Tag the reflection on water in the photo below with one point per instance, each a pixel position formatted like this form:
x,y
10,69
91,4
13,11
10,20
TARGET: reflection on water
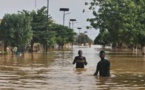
x,y
55,71
80,70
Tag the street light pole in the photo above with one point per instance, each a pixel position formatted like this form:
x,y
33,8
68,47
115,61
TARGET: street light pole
x,y
79,29
79,32
64,10
72,20
47,22
47,13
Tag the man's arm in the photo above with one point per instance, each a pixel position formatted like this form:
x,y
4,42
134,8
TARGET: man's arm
x,y
97,70
96,73
85,61
108,69
74,60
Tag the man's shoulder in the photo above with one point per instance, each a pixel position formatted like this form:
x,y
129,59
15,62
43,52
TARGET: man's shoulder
x,y
77,56
83,57
106,60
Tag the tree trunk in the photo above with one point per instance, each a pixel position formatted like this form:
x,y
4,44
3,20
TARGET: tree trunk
x,y
31,48
5,46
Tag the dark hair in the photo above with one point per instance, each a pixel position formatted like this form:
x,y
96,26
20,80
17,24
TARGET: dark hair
x,y
102,52
80,51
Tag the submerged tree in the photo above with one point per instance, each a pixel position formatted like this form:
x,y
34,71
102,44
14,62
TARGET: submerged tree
x,y
123,19
15,30
40,26
63,34
103,38
83,39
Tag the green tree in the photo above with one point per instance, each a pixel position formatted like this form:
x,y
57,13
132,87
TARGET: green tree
x,y
141,19
15,30
103,38
63,34
41,34
122,19
83,39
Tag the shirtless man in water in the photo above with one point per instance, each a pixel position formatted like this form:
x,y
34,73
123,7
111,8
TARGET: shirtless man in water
x,y
80,60
103,66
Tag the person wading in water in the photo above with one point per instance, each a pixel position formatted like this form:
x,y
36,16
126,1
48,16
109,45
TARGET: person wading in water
x,y
80,60
103,66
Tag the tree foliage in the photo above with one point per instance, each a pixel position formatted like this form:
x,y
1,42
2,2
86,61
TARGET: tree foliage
x,y
123,19
103,38
15,30
29,27
63,34
83,39
40,26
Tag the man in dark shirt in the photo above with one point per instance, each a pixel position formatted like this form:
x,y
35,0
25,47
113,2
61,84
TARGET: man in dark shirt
x,y
80,60
103,66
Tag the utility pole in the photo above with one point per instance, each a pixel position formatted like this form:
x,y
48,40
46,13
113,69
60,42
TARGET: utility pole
x,y
47,23
64,10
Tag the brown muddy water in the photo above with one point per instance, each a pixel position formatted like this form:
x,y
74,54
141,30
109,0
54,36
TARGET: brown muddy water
x,y
54,71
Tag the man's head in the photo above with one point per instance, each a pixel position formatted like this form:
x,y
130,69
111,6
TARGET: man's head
x,y
80,52
102,54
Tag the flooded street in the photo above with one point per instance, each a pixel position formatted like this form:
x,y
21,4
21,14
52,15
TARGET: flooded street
x,y
55,71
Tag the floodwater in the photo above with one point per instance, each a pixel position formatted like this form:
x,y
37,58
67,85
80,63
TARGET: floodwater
x,y
54,71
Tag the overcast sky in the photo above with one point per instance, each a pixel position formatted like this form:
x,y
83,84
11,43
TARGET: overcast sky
x,y
75,8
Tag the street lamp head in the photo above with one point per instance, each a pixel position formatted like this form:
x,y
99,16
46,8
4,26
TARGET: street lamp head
x,y
85,32
72,19
79,28
64,9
